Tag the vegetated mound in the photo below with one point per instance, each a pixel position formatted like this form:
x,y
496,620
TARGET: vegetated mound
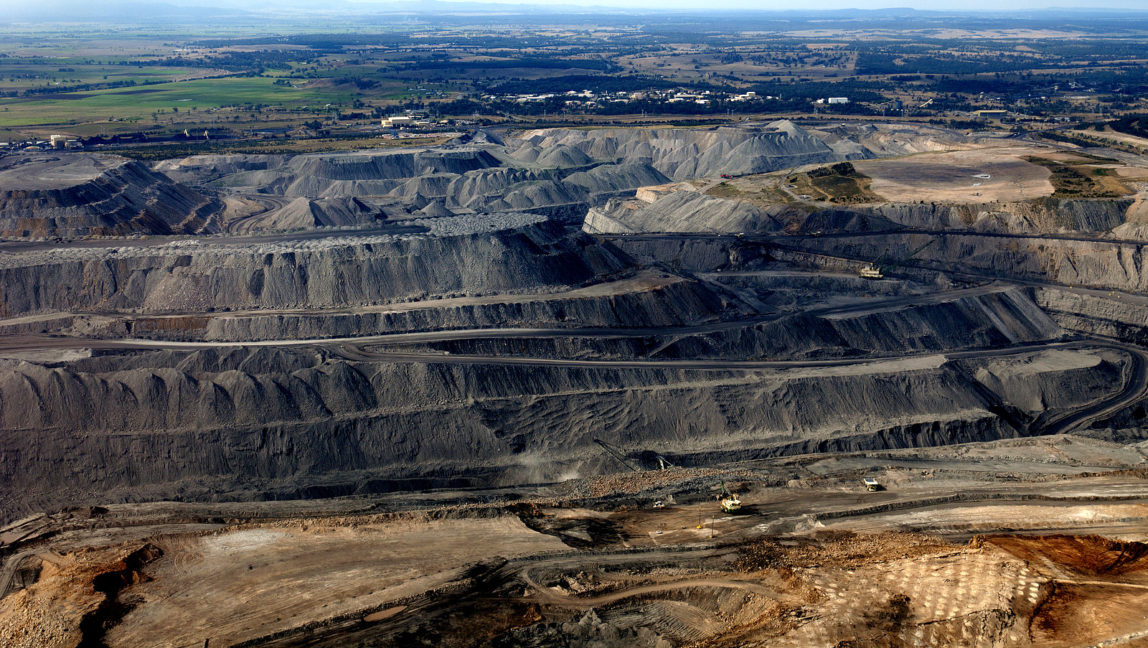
x,y
1082,179
684,211
681,154
1136,125
77,195
461,256
835,183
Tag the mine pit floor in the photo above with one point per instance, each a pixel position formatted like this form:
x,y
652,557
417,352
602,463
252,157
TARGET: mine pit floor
x,y
947,554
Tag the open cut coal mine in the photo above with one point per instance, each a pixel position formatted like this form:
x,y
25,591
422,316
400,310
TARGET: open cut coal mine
x,y
569,346
374,333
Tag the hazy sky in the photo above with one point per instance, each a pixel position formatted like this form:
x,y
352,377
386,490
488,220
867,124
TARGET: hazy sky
x,y
792,5
767,5
63,8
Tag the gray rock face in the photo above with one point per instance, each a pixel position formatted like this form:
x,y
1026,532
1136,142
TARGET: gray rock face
x,y
75,195
273,423
305,213
1046,216
1067,378
845,220
204,169
555,171
316,275
372,165
623,304
610,178
463,180
1006,316
327,175
684,211
1099,263
279,421
1097,313
681,154
555,156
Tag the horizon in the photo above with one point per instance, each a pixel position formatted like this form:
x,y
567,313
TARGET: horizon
x,y
78,10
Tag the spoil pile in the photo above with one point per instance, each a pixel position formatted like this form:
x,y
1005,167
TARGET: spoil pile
x,y
72,195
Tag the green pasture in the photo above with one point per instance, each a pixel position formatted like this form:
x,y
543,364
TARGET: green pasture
x,y
15,76
142,101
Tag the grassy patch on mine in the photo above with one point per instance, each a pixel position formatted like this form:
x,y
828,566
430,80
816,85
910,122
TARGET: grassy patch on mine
x,y
1081,180
725,190
838,183
753,190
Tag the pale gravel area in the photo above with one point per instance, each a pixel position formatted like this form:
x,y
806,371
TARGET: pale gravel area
x,y
47,173
1052,361
242,584
996,516
953,176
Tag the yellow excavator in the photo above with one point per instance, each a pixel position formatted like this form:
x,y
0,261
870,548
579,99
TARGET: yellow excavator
x,y
878,268
728,501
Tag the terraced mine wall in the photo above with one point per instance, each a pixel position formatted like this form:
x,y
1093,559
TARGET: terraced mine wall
x,y
1042,216
1097,313
677,303
234,423
1068,378
694,254
303,275
1098,264
467,180
1002,317
706,255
